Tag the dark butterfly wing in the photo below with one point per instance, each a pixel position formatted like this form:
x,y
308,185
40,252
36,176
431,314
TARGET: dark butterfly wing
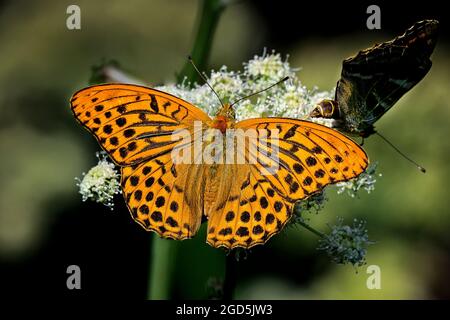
x,y
376,78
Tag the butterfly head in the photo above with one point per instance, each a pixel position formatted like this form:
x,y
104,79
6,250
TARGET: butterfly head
x,y
227,111
224,118
326,109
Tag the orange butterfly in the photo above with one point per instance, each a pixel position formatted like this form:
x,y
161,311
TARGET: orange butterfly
x,y
245,204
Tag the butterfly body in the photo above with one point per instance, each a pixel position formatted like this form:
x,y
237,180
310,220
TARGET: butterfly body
x,y
373,80
176,171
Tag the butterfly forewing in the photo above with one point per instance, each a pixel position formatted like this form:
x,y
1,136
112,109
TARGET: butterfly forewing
x,y
133,123
310,156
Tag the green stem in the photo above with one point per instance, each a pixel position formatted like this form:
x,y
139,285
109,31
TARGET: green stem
x,y
210,12
163,251
308,227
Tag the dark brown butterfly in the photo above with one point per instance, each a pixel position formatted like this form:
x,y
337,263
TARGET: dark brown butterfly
x,y
373,80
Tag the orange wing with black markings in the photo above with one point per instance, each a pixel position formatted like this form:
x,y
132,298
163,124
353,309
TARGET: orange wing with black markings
x,y
134,125
310,156
160,197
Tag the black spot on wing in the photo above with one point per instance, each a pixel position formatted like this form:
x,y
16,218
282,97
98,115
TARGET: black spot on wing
x,y
154,103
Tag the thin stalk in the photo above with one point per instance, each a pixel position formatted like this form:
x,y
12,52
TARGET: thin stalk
x,y
308,227
210,11
162,258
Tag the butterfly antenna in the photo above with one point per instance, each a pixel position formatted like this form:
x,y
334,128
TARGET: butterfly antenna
x,y
401,153
258,92
204,79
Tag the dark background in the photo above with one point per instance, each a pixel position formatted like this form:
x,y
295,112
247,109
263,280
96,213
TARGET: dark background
x,y
44,226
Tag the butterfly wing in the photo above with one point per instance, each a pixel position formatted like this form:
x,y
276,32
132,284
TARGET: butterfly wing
x,y
164,197
376,78
133,123
249,214
135,126
310,156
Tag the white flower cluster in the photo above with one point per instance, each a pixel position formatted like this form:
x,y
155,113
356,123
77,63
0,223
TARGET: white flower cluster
x,y
365,180
101,182
289,99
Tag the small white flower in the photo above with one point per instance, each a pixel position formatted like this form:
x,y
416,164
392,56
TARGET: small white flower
x,y
177,90
330,123
228,84
247,110
204,98
101,182
365,180
290,102
268,67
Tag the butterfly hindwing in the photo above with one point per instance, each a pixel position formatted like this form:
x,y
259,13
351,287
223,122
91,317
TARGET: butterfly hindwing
x,y
156,194
251,213
262,196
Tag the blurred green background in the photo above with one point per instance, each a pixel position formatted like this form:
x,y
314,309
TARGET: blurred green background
x,y
44,227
